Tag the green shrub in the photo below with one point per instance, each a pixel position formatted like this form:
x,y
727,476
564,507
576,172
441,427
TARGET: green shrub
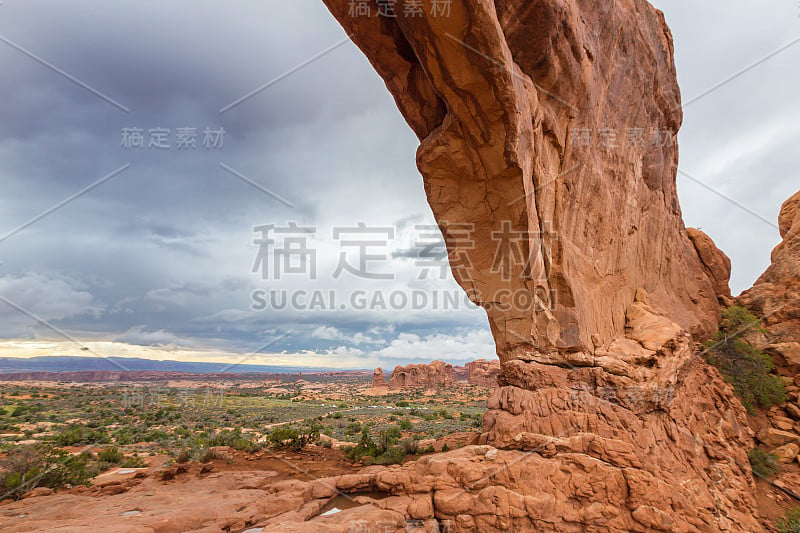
x,y
245,445
133,462
409,446
790,523
281,436
353,428
388,438
741,364
185,455
406,424
365,447
764,464
234,439
391,456
77,434
208,455
291,438
29,467
110,455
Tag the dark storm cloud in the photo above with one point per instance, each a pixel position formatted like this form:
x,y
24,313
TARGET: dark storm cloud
x,y
162,253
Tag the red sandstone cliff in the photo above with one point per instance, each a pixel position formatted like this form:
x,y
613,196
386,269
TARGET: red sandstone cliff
x,y
438,374
483,372
775,297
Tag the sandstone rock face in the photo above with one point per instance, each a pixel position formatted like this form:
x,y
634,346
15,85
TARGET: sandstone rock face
x,y
773,438
438,374
566,228
378,380
786,453
477,489
653,410
717,265
789,352
548,153
483,372
775,297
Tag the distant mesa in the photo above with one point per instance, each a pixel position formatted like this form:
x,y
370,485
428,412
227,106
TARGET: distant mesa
x,y
460,373
483,372
436,375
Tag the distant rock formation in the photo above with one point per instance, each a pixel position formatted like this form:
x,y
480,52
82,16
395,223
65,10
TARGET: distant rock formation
x,y
460,373
378,380
438,374
483,372
775,297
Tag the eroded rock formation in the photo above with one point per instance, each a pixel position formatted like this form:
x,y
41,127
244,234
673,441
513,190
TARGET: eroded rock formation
x,y
630,439
775,297
716,264
548,152
649,407
378,380
438,374
461,373
483,372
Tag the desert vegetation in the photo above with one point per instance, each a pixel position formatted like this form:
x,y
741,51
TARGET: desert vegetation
x,y
741,363
61,435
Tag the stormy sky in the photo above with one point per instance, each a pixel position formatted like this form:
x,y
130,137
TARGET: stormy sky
x,y
147,147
